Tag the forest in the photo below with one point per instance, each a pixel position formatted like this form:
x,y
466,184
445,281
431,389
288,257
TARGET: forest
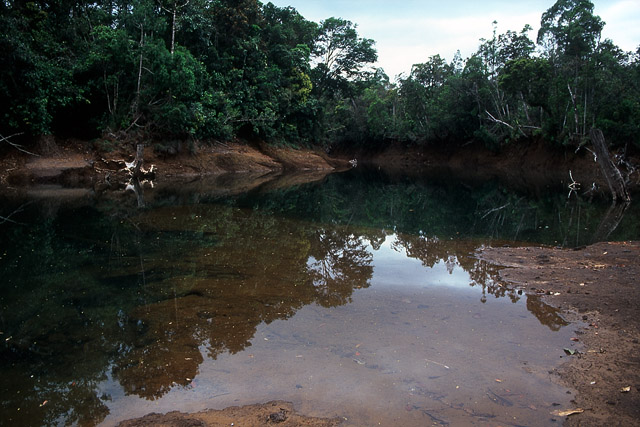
x,y
221,69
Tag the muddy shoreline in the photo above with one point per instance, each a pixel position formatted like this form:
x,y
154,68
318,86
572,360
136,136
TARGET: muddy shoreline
x,y
101,165
597,286
82,164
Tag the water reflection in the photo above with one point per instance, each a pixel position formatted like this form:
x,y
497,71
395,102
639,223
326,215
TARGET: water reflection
x,y
546,314
458,257
251,269
457,254
144,297
338,263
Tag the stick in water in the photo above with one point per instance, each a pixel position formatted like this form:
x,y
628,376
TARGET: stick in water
x,y
437,363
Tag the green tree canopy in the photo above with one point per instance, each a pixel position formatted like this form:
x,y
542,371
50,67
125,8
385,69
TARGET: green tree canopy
x,y
340,55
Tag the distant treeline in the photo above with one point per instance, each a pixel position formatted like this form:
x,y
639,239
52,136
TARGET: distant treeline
x,y
219,69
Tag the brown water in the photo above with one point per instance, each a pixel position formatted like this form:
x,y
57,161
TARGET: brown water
x,y
194,306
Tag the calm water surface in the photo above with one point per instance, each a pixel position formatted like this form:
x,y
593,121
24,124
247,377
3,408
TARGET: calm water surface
x,y
357,297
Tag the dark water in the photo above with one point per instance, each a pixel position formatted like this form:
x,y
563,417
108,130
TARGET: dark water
x,y
357,296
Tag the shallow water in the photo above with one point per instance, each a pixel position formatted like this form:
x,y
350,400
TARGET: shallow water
x,y
353,297
412,347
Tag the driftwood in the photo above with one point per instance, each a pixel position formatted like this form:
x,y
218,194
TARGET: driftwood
x,y
132,169
611,172
137,165
135,186
14,145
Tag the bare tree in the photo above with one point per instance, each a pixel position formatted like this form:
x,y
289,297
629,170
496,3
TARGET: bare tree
x,y
173,11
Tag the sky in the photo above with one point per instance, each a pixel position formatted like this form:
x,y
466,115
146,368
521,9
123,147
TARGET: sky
x,y
408,32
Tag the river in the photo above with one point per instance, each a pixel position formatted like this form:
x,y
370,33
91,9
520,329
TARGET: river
x,y
357,296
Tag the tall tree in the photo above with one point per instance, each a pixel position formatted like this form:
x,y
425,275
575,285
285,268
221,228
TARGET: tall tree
x,y
341,55
570,33
570,28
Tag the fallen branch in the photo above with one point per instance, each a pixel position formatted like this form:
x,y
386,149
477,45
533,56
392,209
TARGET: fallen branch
x,y
4,219
490,211
14,145
573,186
133,123
499,121
504,123
610,171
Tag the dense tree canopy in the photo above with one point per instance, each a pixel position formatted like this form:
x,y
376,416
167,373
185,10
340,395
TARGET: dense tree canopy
x,y
206,69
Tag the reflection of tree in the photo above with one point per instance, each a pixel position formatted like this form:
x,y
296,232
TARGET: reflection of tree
x,y
446,208
52,318
339,262
216,295
163,354
549,217
486,275
456,253
546,314
610,221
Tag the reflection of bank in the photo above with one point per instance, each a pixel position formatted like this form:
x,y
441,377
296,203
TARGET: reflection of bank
x,y
546,314
449,263
213,292
443,262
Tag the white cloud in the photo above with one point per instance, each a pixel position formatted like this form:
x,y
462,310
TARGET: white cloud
x,y
622,20
407,41
410,32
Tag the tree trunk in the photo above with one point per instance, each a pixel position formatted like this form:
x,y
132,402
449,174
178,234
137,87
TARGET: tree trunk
x,y
609,169
137,100
173,28
139,160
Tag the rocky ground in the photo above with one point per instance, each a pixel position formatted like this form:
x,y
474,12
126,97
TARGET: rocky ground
x,y
271,413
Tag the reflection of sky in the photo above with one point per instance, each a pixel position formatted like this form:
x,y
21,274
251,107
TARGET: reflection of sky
x,y
392,267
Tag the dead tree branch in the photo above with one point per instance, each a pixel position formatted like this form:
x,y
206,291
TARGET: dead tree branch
x,y
14,145
502,122
611,172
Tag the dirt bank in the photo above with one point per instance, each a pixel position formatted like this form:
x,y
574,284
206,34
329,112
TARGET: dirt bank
x,y
271,413
525,165
73,163
100,164
597,285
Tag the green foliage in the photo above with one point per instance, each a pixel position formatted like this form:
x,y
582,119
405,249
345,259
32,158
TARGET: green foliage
x,y
219,69
570,28
36,80
340,54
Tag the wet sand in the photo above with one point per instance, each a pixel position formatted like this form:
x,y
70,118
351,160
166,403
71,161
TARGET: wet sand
x,y
598,285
